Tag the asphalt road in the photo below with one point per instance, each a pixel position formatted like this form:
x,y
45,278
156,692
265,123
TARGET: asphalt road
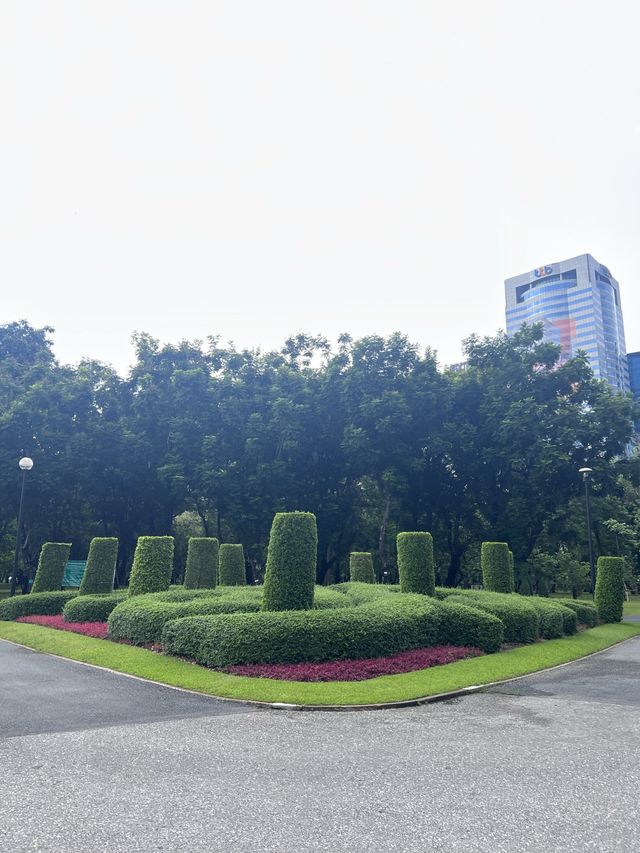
x,y
91,761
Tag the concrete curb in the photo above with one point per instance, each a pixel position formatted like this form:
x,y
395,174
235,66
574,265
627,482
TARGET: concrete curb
x,y
382,706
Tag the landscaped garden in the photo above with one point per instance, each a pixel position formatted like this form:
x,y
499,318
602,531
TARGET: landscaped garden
x,y
292,641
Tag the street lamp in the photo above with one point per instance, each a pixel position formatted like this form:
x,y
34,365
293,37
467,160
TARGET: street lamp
x,y
585,474
25,464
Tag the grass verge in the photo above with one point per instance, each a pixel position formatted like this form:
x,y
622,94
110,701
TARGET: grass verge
x,y
388,688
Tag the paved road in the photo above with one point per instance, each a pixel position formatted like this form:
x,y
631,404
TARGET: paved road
x,y
96,762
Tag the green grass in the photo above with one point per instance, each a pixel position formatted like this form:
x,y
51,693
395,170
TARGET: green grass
x,y
632,607
388,688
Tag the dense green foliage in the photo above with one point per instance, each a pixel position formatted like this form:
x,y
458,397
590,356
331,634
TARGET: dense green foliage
x,y
232,571
35,604
53,559
497,572
519,617
92,608
609,597
461,625
201,571
586,612
415,563
291,562
101,566
152,565
361,567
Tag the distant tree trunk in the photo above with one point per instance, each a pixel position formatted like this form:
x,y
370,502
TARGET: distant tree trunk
x,y
382,541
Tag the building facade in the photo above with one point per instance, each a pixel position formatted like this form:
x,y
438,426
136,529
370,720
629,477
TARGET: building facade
x,y
578,303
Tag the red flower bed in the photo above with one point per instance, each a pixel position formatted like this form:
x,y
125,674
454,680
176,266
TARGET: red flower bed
x,y
99,630
356,670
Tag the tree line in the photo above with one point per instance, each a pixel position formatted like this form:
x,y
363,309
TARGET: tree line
x,y
371,435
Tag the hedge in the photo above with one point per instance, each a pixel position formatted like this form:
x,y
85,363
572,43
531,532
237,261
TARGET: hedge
x,y
92,608
152,565
35,604
369,631
231,570
201,571
100,568
51,565
585,611
415,563
496,570
462,625
140,619
551,626
361,567
520,619
357,592
291,562
609,597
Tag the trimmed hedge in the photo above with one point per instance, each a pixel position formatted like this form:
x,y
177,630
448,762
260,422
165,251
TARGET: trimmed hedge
x,y
496,569
609,597
415,563
369,631
357,592
584,610
231,571
35,604
520,619
291,562
550,620
51,565
152,565
361,567
201,571
461,625
92,608
100,569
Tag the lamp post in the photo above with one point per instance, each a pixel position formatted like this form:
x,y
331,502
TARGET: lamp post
x,y
25,464
585,475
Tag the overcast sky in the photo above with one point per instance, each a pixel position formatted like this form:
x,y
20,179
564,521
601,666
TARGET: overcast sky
x,y
253,169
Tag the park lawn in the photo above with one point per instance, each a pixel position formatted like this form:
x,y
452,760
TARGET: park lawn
x,y
389,688
632,607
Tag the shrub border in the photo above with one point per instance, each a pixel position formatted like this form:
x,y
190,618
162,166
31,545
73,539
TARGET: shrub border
x,y
180,675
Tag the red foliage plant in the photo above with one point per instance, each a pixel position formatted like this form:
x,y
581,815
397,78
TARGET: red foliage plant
x,y
99,630
357,670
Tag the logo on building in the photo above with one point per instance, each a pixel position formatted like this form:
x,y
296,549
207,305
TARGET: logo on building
x,y
542,271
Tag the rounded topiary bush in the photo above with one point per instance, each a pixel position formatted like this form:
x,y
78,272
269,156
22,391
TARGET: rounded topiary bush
x,y
152,565
585,611
101,566
609,597
201,571
520,619
415,563
232,571
291,562
51,565
361,567
461,625
36,604
496,567
92,608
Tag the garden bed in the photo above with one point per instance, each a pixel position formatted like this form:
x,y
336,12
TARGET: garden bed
x,y
98,630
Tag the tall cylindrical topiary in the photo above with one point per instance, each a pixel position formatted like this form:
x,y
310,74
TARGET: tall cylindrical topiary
x,y
361,567
201,571
291,562
496,573
101,566
231,571
512,572
53,559
415,563
609,597
152,565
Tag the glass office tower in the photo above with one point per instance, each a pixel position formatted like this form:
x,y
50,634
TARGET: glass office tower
x,y
578,302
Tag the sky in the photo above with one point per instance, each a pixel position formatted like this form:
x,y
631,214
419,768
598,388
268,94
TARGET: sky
x,y
251,169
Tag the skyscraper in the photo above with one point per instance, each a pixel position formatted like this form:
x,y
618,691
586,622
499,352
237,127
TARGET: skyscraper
x,y
578,302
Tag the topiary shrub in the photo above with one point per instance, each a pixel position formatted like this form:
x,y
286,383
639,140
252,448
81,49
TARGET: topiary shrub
x,y
461,625
231,570
415,563
152,565
584,610
201,571
291,562
53,559
357,592
92,608
35,604
100,569
550,618
520,619
369,631
609,597
361,567
496,572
